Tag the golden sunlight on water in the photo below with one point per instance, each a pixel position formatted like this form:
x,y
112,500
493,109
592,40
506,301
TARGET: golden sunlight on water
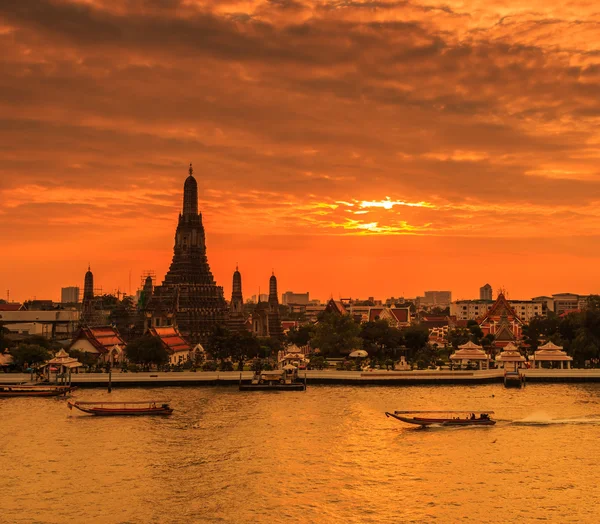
x,y
326,455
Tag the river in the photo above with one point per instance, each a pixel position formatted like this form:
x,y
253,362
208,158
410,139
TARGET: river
x,y
325,455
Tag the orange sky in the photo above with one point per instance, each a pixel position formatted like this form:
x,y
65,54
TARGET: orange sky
x,y
358,148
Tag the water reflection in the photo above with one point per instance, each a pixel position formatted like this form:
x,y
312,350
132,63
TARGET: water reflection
x,y
325,455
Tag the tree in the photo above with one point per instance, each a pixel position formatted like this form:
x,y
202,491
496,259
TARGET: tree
x,y
458,337
336,335
244,346
302,335
87,359
380,339
147,350
29,354
123,316
219,343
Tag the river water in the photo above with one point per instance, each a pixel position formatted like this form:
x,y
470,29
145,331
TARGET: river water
x,y
325,455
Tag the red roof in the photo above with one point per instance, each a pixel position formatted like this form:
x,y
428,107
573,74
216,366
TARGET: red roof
x,y
435,321
374,313
10,307
171,338
334,306
102,338
402,314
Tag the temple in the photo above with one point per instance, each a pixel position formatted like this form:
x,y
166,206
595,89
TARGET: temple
x,y
236,320
87,304
265,319
189,297
502,322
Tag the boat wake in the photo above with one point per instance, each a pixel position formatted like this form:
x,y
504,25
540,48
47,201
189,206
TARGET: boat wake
x,y
542,419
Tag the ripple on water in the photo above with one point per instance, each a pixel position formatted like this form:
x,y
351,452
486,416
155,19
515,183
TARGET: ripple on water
x,y
327,455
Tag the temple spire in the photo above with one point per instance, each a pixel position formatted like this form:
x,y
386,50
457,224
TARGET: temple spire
x,y
190,195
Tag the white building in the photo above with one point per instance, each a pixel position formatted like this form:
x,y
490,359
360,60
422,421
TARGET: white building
x,y
485,292
289,297
474,309
69,295
566,302
436,298
56,323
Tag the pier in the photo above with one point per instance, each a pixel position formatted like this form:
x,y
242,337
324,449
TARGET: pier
x,y
353,378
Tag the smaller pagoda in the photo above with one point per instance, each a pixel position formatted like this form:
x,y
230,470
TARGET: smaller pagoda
x,y
550,352
471,352
511,358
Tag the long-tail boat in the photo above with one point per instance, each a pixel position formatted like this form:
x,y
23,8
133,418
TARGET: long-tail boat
x,y
444,418
115,409
42,390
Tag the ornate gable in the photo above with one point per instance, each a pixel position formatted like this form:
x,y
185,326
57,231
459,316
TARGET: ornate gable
x,y
501,308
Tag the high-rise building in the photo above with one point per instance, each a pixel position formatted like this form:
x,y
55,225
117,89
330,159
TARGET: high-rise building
x,y
189,297
289,297
69,295
436,298
485,292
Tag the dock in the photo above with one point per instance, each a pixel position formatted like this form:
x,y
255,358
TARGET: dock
x,y
313,377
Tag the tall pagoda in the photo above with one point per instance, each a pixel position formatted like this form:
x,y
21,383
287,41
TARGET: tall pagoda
x,y
265,318
189,297
87,304
236,306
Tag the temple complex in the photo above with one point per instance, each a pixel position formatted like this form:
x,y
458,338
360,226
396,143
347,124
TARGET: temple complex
x,y
236,320
265,319
189,297
502,322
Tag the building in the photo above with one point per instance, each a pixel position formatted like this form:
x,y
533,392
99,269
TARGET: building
x,y
565,302
236,306
265,318
547,303
485,292
189,297
104,342
69,295
289,297
261,297
12,306
470,309
397,317
57,323
177,347
477,309
436,299
502,322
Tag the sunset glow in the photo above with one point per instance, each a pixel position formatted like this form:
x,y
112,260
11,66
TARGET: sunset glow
x,y
357,148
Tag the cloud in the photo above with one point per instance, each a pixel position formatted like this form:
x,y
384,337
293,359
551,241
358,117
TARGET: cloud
x,y
306,119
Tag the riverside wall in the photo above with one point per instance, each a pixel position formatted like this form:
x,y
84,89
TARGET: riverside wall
x,y
353,378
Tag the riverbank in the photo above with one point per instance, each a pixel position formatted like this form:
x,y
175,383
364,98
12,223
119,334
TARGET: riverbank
x,y
355,378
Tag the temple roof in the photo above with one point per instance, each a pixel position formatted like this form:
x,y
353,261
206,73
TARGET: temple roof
x,y
402,314
334,306
11,307
102,338
500,308
510,353
550,346
171,339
